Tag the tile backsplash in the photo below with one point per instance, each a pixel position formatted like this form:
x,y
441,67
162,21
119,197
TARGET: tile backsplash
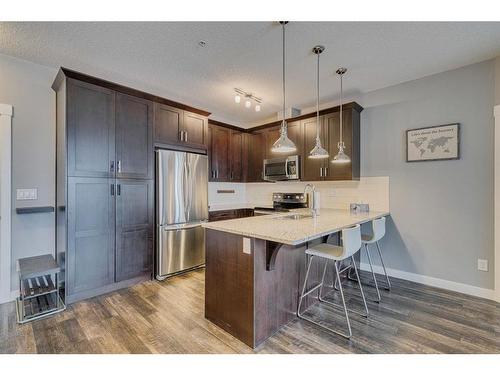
x,y
333,194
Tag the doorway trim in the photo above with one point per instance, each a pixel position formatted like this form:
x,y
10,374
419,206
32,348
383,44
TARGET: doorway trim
x,y
496,112
5,200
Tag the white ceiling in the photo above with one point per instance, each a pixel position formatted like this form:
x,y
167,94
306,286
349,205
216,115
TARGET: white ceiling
x,y
164,57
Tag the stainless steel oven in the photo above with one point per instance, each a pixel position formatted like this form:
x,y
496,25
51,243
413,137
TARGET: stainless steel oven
x,y
282,169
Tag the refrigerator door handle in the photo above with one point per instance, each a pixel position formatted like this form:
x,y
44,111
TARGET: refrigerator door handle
x,y
182,226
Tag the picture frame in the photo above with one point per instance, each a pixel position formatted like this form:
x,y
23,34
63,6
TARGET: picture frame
x,y
433,143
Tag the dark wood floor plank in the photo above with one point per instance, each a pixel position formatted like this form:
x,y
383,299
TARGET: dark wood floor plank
x,y
168,317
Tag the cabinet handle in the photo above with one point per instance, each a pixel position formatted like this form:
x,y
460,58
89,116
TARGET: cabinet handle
x,y
118,189
321,172
231,175
112,166
119,166
185,136
181,133
112,189
326,172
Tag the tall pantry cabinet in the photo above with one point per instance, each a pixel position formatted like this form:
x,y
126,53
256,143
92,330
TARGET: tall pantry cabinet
x,y
104,187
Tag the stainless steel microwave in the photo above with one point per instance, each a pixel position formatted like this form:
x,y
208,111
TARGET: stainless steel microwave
x,y
282,169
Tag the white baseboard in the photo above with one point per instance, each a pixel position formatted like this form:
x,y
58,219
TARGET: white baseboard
x,y
13,295
435,282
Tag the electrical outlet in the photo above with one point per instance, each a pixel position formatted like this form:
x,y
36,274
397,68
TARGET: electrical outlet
x,y
26,194
482,265
247,245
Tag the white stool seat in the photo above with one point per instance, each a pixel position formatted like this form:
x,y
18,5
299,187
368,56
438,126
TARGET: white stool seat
x,y
328,251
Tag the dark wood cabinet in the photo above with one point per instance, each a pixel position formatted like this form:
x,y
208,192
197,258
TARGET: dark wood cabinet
x,y
351,139
104,187
174,126
230,214
134,228
90,118
226,154
220,138
256,154
236,157
90,259
313,169
134,137
194,130
168,123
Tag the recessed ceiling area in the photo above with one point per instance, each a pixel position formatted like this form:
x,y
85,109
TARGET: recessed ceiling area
x,y
166,58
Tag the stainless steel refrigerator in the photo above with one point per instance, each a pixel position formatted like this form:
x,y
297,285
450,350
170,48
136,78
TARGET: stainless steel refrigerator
x,y
182,205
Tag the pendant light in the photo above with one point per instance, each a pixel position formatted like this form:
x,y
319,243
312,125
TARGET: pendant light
x,y
318,152
283,144
341,156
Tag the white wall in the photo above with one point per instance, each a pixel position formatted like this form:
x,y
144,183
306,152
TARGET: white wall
x,y
442,211
26,86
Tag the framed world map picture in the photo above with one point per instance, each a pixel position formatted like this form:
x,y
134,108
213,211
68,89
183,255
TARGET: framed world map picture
x,y
441,142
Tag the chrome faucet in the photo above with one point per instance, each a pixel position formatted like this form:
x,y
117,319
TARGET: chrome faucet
x,y
314,212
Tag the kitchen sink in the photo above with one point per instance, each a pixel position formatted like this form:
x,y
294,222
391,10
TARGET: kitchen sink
x,y
293,217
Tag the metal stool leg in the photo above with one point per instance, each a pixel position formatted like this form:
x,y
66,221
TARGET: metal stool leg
x,y
360,287
373,273
304,293
383,266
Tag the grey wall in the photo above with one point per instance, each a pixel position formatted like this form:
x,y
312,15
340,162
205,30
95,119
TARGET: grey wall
x,y
26,87
442,211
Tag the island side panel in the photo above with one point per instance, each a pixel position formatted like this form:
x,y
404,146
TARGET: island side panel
x,y
229,292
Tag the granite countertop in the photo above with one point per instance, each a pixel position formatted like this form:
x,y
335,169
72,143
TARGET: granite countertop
x,y
294,232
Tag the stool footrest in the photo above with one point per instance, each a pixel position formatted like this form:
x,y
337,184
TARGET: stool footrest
x,y
312,290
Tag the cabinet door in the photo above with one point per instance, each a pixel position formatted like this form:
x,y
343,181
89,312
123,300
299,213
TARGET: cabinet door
x,y
294,130
195,130
236,157
91,228
90,127
168,123
134,228
256,155
134,137
219,170
313,169
332,124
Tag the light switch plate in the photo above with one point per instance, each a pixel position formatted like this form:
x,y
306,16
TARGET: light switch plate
x,y
26,194
247,245
482,265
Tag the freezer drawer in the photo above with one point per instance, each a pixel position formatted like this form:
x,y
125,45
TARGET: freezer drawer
x,y
180,248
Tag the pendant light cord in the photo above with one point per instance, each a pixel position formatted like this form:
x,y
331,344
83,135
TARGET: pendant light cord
x,y
317,101
341,143
283,123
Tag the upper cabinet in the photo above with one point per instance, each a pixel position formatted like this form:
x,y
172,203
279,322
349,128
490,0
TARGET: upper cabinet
x,y
134,137
351,139
174,126
90,120
313,169
256,153
226,151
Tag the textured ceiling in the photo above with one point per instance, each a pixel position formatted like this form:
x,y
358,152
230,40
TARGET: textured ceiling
x,y
165,58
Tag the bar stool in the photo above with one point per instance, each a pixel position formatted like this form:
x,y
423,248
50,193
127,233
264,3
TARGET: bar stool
x,y
351,243
378,231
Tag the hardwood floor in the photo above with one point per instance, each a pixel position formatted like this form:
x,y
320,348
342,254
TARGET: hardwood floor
x,y
168,317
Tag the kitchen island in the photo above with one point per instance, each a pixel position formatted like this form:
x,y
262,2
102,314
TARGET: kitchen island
x,y
255,267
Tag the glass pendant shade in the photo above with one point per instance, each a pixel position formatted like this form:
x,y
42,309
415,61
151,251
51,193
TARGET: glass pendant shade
x,y
341,156
318,152
283,144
